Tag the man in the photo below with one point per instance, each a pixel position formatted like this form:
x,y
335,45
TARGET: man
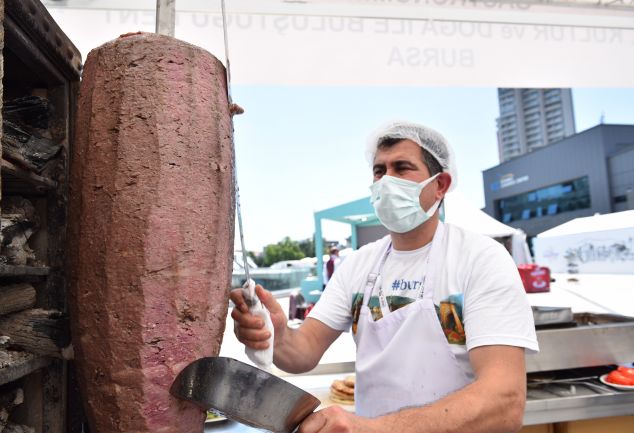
x,y
331,265
438,313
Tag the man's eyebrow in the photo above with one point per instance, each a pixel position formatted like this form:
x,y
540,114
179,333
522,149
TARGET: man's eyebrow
x,y
403,162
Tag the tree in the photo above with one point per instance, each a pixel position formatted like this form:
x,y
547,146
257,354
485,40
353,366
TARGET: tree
x,y
308,246
258,259
286,249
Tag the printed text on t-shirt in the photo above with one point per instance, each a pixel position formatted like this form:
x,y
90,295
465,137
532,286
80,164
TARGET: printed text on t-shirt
x,y
406,285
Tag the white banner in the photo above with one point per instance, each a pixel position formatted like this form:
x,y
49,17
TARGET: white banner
x,y
608,252
388,43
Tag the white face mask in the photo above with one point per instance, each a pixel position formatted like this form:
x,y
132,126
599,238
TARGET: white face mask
x,y
397,204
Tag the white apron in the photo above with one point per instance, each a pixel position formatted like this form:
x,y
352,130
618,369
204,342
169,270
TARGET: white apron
x,y
404,359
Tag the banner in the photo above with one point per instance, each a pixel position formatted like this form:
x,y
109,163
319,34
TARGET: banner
x,y
607,252
389,43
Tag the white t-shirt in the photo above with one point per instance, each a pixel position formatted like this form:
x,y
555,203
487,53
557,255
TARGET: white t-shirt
x,y
479,296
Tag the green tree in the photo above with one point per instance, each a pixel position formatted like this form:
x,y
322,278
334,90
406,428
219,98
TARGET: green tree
x,y
258,259
308,246
286,249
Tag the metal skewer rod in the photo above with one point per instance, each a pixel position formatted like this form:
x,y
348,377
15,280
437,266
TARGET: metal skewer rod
x,y
233,147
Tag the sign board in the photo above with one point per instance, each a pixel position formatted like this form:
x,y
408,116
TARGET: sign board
x,y
604,252
391,42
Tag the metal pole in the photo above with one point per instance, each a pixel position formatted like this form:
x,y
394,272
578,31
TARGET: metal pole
x,y
319,250
165,17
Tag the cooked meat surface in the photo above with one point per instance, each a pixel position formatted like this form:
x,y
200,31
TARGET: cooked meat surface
x,y
151,226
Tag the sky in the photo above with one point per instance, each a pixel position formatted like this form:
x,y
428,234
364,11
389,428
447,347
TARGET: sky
x,y
302,149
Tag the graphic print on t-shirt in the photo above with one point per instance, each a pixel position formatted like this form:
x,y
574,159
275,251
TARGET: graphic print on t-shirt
x,y
449,313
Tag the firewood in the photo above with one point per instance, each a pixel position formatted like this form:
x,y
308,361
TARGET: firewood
x,y
26,147
17,428
16,297
19,221
43,332
33,111
8,401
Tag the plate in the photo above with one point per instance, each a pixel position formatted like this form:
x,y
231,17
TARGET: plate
x,y
616,385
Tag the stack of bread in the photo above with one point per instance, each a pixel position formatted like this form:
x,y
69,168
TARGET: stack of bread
x,y
342,391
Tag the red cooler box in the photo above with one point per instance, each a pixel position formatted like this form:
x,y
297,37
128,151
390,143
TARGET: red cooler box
x,y
535,278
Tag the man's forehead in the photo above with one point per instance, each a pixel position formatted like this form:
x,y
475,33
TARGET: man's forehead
x,y
403,150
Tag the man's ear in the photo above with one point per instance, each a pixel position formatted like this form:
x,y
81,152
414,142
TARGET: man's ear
x,y
444,182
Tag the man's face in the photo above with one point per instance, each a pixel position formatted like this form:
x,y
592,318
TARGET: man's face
x,y
405,160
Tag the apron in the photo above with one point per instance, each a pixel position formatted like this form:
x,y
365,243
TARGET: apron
x,y
404,359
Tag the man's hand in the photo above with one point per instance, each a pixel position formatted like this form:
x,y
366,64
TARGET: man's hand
x,y
336,420
296,350
249,328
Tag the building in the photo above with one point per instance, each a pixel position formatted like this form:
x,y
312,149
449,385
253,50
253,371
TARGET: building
x,y
531,119
587,173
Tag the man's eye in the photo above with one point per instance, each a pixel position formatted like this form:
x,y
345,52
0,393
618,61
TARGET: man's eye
x,y
404,167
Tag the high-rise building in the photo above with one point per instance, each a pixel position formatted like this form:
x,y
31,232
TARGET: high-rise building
x,y
532,118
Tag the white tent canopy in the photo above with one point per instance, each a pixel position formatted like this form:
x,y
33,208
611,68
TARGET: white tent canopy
x,y
596,244
460,212
595,223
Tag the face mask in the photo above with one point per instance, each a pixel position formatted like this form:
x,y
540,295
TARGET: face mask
x,y
397,205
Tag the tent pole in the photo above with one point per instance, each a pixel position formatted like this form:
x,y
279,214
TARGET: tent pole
x,y
165,17
319,249
353,237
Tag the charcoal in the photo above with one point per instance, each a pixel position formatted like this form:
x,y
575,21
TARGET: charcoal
x,y
26,147
33,111
18,222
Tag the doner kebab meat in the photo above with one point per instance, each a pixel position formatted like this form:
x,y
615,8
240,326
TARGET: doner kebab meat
x,y
151,228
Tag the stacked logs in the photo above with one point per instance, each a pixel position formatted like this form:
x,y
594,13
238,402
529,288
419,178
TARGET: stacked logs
x,y
26,140
38,331
8,401
19,221
25,332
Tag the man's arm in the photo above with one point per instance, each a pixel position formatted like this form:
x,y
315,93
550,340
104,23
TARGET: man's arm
x,y
295,350
299,350
493,403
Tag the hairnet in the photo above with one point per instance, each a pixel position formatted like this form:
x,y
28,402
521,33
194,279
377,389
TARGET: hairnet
x,y
427,138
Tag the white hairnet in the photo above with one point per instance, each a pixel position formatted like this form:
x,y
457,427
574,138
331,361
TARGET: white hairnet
x,y
427,138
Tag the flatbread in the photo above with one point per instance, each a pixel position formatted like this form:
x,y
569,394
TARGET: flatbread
x,y
349,381
341,395
340,386
341,401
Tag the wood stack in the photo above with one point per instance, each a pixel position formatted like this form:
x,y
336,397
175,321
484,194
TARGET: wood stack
x,y
26,140
8,401
39,75
27,337
19,222
43,332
